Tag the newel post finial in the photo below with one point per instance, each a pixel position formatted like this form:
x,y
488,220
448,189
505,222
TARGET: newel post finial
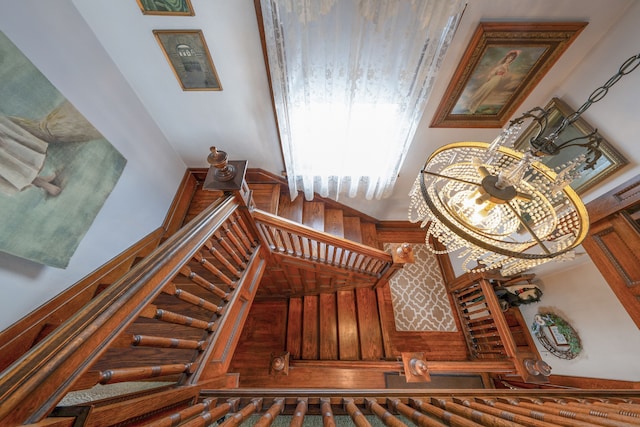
x,y
224,174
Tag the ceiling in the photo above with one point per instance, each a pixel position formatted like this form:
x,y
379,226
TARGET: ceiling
x,y
240,119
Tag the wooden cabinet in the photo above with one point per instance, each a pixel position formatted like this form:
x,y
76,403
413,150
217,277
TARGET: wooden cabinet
x,y
613,242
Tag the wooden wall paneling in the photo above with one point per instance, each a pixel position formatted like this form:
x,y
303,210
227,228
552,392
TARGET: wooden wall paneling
x,y
310,327
348,326
614,246
369,330
328,326
294,328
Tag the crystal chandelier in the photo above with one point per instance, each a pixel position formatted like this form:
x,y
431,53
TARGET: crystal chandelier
x,y
501,208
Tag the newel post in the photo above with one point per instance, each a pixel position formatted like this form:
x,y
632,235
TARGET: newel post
x,y
401,254
227,175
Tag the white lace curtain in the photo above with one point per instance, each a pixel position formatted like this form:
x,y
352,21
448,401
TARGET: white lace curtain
x,y
350,81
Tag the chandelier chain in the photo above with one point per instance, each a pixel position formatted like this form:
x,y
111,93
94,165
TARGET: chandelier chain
x,y
627,67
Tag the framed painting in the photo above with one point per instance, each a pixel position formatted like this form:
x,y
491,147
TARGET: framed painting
x,y
56,168
187,52
502,64
610,161
166,7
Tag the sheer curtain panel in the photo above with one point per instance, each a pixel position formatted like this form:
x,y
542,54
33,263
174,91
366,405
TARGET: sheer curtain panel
x,y
350,80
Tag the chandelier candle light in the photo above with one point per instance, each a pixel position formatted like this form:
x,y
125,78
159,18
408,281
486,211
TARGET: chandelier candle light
x,y
502,208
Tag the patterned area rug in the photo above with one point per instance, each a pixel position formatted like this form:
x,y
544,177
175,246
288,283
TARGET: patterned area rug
x,y
419,298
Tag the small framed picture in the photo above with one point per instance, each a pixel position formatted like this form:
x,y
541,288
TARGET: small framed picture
x,y
557,336
610,161
187,52
166,7
501,66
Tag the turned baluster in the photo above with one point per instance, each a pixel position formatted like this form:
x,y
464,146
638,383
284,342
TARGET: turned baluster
x,y
416,416
354,412
270,416
383,415
158,342
230,235
441,414
463,411
486,405
327,414
209,417
240,220
297,419
230,251
185,414
241,233
153,312
218,255
187,297
111,376
237,418
201,281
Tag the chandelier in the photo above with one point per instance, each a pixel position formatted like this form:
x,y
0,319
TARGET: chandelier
x,y
501,208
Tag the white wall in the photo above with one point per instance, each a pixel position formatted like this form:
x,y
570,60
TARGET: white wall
x,y
55,38
610,339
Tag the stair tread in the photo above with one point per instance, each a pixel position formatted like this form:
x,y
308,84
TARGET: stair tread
x,y
352,229
334,222
266,197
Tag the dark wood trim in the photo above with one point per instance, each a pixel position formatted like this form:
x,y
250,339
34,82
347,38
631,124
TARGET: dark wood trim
x,y
593,383
621,197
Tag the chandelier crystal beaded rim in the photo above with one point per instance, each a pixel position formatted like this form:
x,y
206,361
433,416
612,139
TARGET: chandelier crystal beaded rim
x,y
502,208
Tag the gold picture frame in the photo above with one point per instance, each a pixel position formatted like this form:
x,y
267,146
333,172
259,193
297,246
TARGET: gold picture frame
x,y
610,161
166,7
188,54
501,66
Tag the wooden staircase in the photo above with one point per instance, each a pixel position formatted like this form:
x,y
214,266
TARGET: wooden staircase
x,y
325,325
343,325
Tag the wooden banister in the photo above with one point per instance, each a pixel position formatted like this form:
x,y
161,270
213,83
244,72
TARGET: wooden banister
x,y
291,239
31,387
487,332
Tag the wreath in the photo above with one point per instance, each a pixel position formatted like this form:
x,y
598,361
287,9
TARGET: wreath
x,y
543,320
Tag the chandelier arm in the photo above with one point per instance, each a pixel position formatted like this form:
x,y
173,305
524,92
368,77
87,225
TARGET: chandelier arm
x,y
529,229
473,240
451,178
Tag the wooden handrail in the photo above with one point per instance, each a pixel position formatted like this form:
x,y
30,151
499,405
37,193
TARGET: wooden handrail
x,y
31,387
289,238
474,295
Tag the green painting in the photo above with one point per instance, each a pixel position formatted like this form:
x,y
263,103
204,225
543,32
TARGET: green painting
x,y
166,7
56,169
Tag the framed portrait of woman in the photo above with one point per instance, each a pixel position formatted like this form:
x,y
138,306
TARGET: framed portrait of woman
x,y
500,67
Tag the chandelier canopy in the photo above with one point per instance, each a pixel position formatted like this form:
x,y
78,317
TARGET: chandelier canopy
x,y
501,208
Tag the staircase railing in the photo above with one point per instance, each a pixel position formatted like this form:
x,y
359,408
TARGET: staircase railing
x,y
485,327
212,266
410,407
291,239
